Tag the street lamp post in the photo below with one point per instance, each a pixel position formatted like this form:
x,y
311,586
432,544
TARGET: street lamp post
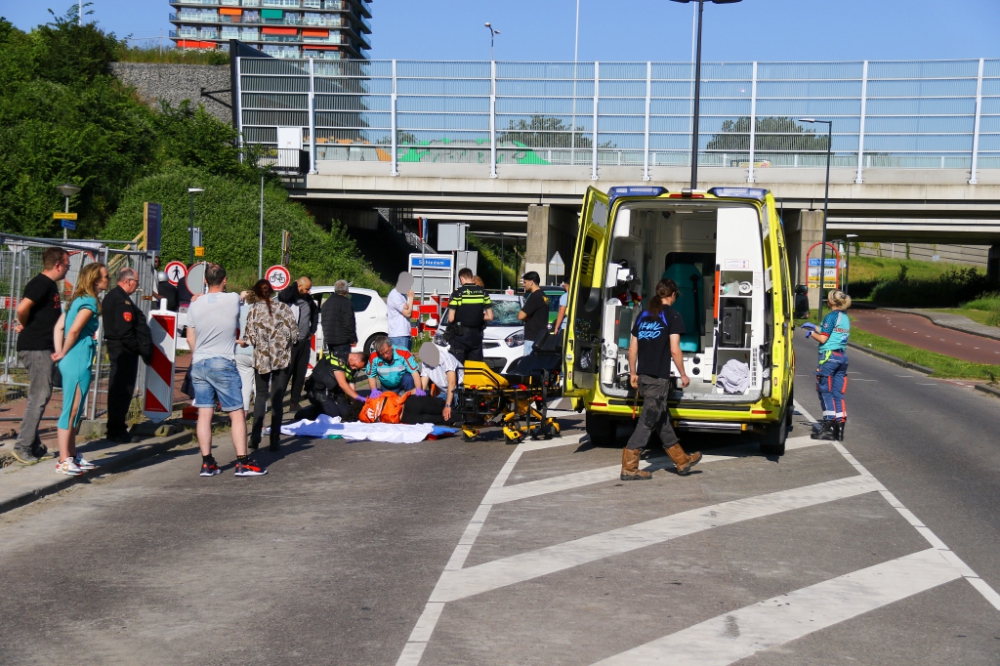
x,y
826,206
847,267
191,192
493,33
260,238
697,88
67,190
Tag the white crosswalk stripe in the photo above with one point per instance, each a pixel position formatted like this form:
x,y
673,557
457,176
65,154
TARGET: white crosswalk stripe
x,y
761,625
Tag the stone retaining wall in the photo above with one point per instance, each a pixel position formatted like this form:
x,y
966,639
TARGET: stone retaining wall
x,y
174,83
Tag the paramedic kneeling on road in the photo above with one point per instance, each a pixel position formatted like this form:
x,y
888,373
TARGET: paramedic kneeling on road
x,y
396,369
831,372
656,338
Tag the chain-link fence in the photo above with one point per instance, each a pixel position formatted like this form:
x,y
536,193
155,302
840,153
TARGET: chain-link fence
x,y
20,261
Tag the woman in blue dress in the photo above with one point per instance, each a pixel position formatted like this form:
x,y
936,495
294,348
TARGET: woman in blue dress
x,y
75,346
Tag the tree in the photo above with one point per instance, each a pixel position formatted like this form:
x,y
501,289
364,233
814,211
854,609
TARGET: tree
x,y
773,134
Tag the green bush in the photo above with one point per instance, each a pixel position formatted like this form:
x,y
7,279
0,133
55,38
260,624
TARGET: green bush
x,y
947,291
228,213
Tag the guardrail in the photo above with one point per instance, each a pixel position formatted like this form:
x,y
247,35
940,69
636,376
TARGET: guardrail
x,y
887,114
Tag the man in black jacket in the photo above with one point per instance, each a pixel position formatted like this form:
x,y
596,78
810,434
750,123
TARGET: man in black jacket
x,y
128,338
297,294
340,331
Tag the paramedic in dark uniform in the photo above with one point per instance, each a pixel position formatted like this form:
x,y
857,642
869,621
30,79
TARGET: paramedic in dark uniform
x,y
469,309
128,338
656,338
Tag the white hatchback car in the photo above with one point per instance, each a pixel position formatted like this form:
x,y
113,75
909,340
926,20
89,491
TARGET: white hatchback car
x,y
503,340
371,316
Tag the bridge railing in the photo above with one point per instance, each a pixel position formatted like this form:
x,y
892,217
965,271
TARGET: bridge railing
x,y
886,114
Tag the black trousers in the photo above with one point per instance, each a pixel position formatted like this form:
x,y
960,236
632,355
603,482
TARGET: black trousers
x,y
121,386
467,345
340,351
273,386
298,366
655,416
423,409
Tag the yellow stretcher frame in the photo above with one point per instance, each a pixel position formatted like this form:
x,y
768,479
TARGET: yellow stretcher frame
x,y
488,398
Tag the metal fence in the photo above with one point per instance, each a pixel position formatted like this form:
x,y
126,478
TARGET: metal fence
x,y
20,261
900,114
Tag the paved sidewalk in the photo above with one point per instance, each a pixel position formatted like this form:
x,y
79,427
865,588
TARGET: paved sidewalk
x,y
954,322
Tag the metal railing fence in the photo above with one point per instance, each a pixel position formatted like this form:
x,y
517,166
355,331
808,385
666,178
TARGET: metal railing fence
x,y
899,114
20,261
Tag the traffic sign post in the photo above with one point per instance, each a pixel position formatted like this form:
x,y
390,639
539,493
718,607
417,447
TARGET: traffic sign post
x,y
68,220
176,271
199,251
557,268
278,277
196,278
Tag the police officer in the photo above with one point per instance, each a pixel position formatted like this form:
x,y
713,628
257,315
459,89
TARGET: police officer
x,y
469,309
128,338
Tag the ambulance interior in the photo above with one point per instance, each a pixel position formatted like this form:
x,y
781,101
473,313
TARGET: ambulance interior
x,y
714,252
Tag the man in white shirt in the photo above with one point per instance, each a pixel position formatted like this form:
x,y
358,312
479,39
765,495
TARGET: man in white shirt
x,y
212,324
441,368
400,310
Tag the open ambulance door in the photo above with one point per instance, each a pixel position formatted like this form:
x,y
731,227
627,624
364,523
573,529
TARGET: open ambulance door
x,y
583,332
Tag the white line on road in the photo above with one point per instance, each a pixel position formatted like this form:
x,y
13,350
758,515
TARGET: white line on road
x,y
974,579
733,636
454,585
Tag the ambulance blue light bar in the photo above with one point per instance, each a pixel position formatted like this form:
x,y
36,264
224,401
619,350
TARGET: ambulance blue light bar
x,y
635,191
739,192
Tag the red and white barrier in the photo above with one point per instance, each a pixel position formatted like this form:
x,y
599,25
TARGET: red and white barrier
x,y
159,398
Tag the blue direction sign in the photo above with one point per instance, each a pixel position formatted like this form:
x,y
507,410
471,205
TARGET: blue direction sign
x,y
69,224
430,262
830,262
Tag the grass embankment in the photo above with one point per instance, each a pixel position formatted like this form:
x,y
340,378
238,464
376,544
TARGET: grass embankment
x,y
874,269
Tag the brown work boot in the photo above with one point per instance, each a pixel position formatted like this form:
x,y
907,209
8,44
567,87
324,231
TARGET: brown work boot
x,y
630,466
682,461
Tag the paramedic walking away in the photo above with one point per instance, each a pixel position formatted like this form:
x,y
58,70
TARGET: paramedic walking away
x,y
273,332
75,345
831,372
656,338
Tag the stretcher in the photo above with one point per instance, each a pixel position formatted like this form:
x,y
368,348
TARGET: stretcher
x,y
516,402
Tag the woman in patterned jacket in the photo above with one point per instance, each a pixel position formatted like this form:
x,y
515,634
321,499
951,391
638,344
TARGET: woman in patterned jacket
x,y
272,330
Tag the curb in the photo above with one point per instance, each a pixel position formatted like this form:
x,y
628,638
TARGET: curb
x,y
892,359
937,323
995,392
142,451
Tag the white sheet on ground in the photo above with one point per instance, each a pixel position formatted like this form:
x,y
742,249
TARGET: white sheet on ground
x,y
394,433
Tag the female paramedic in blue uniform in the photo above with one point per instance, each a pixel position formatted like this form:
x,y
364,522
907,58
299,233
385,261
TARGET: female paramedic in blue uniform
x,y
831,372
656,338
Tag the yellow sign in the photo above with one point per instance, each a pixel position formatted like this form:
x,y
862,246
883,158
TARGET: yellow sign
x,y
63,216
199,251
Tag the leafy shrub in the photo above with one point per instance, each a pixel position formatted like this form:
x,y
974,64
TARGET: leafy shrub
x,y
954,287
228,213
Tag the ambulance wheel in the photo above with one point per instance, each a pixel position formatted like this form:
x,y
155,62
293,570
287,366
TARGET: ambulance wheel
x,y
772,440
601,429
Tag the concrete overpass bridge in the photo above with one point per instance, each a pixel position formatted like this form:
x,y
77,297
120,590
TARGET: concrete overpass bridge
x,y
512,146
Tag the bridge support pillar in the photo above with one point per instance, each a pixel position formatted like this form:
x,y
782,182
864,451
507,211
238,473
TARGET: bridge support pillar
x,y
993,264
800,236
550,229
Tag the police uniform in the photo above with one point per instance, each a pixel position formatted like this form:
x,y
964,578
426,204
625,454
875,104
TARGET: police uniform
x,y
128,338
468,305
323,389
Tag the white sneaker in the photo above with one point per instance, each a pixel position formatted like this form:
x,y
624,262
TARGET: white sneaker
x,y
68,467
83,463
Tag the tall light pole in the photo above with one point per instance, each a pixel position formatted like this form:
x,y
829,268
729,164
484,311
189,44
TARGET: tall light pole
x,y
67,190
260,244
191,192
493,33
826,206
847,268
576,59
697,88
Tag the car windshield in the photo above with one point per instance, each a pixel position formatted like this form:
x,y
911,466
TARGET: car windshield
x,y
505,313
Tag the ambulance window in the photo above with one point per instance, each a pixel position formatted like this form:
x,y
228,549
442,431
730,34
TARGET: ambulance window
x,y
786,289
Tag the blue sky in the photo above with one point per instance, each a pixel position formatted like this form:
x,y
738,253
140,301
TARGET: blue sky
x,y
630,30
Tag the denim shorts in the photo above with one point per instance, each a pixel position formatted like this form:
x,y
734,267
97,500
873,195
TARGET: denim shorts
x,y
215,380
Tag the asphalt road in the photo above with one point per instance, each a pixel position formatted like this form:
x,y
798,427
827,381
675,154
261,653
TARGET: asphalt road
x,y
453,553
920,332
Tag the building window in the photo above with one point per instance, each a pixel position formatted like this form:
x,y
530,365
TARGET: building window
x,y
229,32
250,34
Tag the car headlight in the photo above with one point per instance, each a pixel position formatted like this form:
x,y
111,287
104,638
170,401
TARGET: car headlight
x,y
515,339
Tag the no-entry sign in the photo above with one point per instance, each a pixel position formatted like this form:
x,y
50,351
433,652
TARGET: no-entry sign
x,y
278,277
176,271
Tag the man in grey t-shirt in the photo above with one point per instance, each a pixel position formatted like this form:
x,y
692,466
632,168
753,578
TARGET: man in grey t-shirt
x,y
213,322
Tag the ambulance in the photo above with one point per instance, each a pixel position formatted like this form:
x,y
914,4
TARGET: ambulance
x,y
725,249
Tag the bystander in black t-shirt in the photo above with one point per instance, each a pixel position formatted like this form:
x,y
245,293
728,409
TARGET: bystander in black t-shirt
x,y
653,333
43,315
537,309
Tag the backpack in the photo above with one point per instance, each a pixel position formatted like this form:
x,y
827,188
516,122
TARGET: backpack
x,y
387,408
